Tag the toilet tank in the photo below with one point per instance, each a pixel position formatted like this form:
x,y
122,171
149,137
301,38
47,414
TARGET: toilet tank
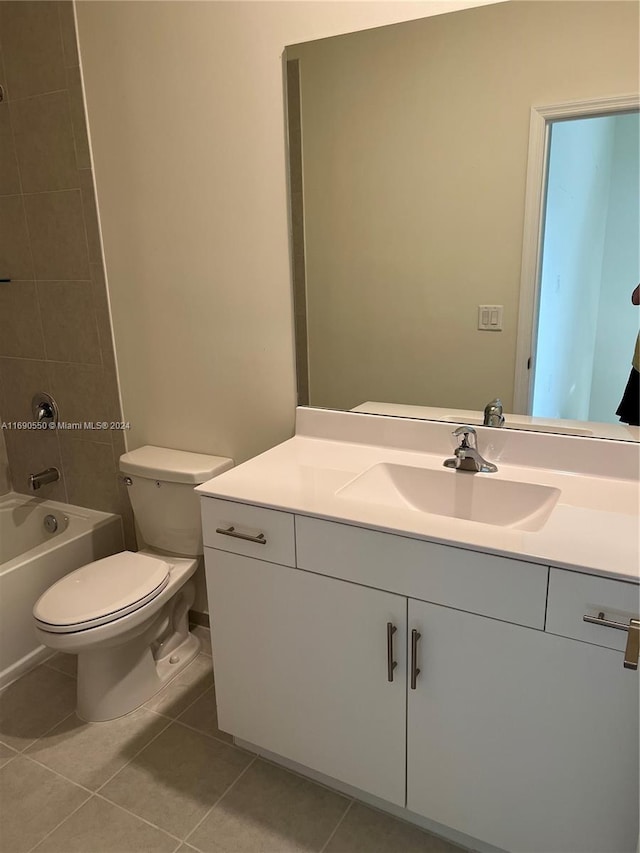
x,y
161,488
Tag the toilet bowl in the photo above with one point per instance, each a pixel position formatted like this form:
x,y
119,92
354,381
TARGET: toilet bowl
x,y
127,616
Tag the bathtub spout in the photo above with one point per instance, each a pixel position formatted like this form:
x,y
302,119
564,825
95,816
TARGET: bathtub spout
x,y
49,475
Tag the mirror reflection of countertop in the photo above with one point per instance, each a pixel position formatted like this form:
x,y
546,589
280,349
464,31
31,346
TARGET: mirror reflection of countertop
x,y
566,501
557,426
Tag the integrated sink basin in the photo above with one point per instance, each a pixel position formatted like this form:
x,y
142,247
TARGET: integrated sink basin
x,y
483,498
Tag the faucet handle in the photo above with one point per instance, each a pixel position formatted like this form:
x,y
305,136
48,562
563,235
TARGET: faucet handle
x,y
467,432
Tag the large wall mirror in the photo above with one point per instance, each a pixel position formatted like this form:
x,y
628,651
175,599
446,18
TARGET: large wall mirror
x,y
411,175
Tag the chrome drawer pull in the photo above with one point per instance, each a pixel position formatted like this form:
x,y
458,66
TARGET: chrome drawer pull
x,y
391,663
259,539
632,650
608,623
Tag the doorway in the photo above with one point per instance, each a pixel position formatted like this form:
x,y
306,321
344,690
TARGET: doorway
x,y
590,263
581,260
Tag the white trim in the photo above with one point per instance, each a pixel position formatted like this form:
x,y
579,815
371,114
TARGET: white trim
x,y
534,223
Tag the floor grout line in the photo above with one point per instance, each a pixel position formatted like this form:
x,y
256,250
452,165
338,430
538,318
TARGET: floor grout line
x,y
337,826
96,793
59,774
44,734
221,797
139,817
186,708
136,754
165,722
51,831
40,663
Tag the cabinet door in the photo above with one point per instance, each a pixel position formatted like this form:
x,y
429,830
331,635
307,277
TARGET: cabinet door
x,y
300,666
522,739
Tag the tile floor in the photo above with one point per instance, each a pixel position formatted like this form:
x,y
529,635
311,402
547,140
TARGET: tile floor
x,y
163,779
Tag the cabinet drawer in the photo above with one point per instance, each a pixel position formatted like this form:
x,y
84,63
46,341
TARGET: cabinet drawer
x,y
573,595
499,587
252,531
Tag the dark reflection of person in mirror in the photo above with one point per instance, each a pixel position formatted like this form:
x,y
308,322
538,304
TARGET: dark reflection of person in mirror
x,y
629,409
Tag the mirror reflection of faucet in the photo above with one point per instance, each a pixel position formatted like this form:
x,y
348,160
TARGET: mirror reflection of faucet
x,y
493,413
466,456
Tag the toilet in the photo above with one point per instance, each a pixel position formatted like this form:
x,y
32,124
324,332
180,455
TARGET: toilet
x,y
127,616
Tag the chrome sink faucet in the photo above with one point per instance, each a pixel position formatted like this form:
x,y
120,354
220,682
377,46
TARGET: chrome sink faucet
x,y
493,415
466,456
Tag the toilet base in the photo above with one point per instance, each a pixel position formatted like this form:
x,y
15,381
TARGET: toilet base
x,y
113,682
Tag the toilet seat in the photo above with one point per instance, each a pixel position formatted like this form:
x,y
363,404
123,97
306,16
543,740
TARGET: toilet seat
x,y
101,592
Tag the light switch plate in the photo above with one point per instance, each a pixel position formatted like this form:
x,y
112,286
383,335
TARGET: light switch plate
x,y
490,318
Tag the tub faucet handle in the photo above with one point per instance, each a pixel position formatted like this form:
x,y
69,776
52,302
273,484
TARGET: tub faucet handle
x,y
44,412
44,408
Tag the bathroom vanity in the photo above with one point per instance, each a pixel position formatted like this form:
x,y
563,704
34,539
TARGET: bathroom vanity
x,y
417,634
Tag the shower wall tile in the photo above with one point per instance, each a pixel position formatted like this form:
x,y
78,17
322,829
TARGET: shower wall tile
x,y
68,32
85,392
21,378
5,475
32,47
44,142
9,176
58,238
101,304
15,252
55,326
30,452
91,216
5,479
3,81
91,474
76,103
20,326
69,321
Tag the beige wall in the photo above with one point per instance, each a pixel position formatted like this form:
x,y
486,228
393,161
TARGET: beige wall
x,y
55,332
185,106
415,145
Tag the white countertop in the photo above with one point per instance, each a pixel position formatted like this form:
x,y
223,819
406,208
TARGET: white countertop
x,y
594,527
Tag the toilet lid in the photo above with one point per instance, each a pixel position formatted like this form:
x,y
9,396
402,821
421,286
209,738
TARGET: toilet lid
x,y
101,592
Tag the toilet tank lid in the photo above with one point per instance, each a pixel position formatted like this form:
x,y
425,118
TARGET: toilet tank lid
x,y
173,466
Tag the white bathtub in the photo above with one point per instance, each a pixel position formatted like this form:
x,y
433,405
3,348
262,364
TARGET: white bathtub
x,y
32,558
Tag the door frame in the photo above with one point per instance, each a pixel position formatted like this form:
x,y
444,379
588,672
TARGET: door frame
x,y
534,217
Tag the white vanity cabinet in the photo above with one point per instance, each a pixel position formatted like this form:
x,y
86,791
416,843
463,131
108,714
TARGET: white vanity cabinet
x,y
304,664
301,669
525,740
522,738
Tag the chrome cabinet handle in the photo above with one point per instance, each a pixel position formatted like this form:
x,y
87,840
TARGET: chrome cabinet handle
x,y
415,672
259,539
632,650
391,663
